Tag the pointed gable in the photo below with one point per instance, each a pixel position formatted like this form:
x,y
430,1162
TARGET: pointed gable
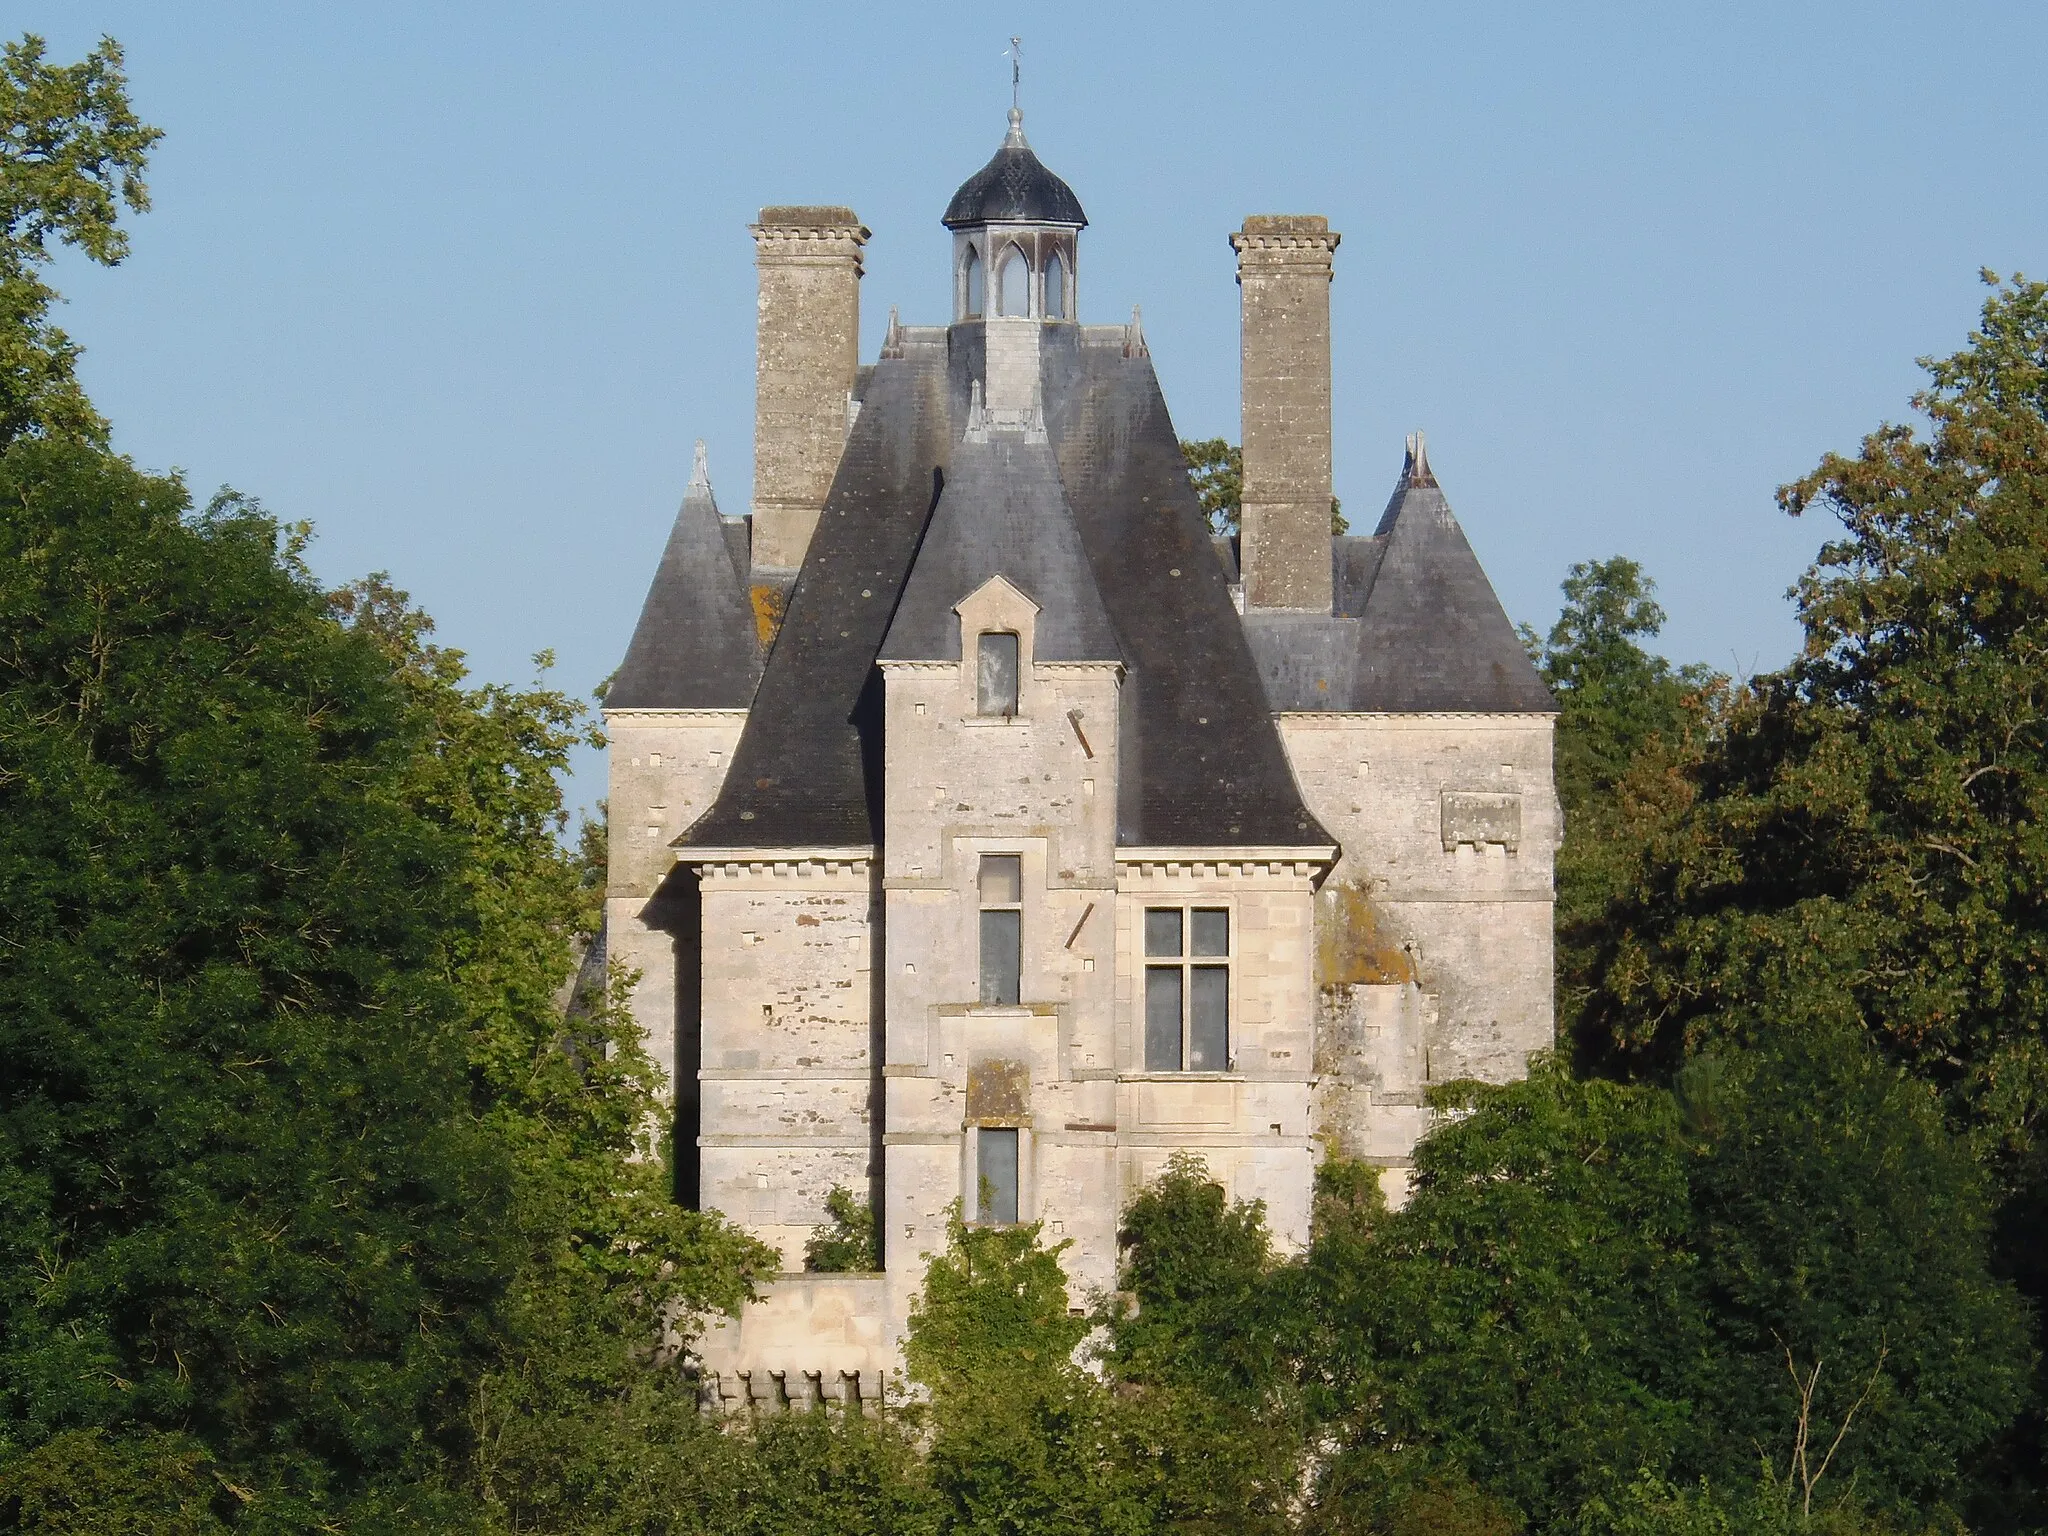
x,y
805,773
1003,513
695,645
1432,634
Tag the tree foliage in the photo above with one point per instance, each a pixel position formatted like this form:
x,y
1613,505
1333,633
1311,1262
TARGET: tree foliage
x,y
1216,471
1630,726
333,1196
72,154
847,1240
1866,840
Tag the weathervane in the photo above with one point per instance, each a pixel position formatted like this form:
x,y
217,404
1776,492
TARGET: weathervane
x,y
1016,53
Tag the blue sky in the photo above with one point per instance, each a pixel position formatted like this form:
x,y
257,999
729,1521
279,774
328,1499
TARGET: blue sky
x,y
461,284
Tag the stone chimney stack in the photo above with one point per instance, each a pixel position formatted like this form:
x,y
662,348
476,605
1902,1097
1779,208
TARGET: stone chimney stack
x,y
1284,270
807,348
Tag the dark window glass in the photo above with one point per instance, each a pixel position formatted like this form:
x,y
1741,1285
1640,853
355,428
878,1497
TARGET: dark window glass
x,y
995,675
1002,879
1001,956
1055,288
1209,1019
975,301
996,1198
1162,1018
1211,931
1162,931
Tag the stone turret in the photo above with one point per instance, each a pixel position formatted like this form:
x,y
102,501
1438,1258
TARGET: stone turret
x,y
807,352
1284,271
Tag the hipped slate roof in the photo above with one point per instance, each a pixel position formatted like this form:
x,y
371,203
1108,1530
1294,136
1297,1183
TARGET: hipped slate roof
x,y
1014,188
1202,763
1417,626
695,646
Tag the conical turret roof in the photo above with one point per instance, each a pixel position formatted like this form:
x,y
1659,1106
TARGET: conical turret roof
x,y
695,646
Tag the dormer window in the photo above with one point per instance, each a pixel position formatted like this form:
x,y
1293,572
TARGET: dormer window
x,y
1013,284
1055,288
995,675
975,301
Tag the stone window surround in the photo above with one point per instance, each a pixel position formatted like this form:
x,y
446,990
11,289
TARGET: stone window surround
x,y
970,1170
997,608
1190,877
960,871
1145,962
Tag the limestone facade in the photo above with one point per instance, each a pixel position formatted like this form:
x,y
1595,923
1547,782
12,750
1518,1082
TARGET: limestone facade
x,y
1030,861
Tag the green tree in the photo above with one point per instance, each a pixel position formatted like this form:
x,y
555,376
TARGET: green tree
x,y
609,1274
1207,1421
1865,841
1595,1281
242,1191
1869,833
1531,1317
848,1239
1629,727
1020,1431
1843,1237
1216,470
1198,1267
72,152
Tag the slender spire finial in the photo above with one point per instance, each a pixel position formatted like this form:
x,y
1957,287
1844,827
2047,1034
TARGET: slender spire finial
x,y
700,468
1418,471
1015,138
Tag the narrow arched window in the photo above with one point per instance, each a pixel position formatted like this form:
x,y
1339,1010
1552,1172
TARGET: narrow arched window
x,y
995,675
1055,288
1013,284
974,280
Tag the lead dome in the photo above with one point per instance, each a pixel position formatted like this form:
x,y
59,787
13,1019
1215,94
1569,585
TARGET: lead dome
x,y
1014,188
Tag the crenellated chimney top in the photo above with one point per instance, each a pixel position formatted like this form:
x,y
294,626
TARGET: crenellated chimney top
x,y
807,351
1284,268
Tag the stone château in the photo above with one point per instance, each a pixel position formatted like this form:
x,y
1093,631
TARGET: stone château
x,y
985,829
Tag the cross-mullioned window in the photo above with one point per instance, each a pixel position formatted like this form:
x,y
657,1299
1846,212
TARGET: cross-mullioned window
x,y
1187,989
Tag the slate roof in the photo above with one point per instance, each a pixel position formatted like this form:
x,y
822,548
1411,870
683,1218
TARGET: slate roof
x,y
1014,188
1003,513
1417,625
1202,763
695,645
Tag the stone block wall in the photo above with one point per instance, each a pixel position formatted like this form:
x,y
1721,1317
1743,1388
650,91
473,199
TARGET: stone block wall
x,y
1041,785
788,1081
1284,265
663,770
1252,1125
1434,941
807,353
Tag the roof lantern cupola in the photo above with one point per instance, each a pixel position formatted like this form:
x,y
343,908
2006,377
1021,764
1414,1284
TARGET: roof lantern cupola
x,y
1014,229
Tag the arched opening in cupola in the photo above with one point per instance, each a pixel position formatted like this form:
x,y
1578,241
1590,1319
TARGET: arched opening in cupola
x,y
973,302
1013,284
1055,288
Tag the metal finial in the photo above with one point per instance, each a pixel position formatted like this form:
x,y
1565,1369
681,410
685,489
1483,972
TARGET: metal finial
x,y
1016,51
